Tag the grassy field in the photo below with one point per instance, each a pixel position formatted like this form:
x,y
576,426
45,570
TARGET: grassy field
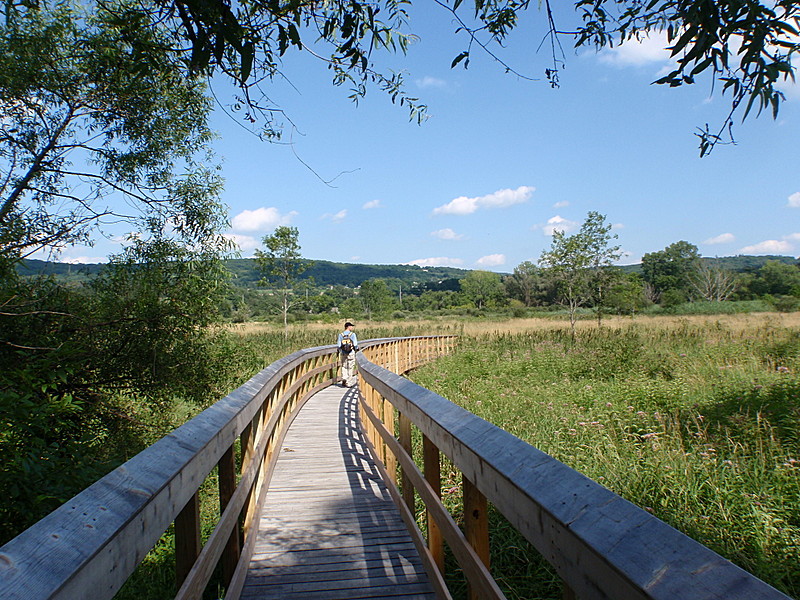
x,y
695,419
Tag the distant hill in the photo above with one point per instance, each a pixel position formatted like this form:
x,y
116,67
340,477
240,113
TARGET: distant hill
x,y
245,273
325,273
349,274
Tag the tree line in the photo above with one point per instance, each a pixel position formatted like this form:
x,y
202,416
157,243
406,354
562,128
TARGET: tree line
x,y
576,273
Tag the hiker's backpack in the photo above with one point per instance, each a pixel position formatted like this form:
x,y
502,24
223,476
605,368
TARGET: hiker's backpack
x,y
347,344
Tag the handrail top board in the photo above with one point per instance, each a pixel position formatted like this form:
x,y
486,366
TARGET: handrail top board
x,y
604,540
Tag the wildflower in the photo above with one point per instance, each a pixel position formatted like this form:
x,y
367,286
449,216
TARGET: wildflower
x,y
609,405
682,354
572,432
630,409
641,413
588,387
783,369
647,436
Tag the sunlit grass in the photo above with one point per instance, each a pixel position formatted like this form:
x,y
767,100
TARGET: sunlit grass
x,y
696,420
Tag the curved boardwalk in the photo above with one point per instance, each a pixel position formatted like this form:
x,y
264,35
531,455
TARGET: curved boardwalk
x,y
329,529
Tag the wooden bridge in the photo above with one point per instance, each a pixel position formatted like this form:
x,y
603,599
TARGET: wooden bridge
x,y
317,489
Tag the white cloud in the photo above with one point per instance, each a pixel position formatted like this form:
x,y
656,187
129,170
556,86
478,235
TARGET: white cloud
x,y
499,199
792,237
794,200
561,204
636,53
558,223
261,219
371,204
85,260
336,217
768,247
492,260
447,234
245,243
430,82
617,226
723,238
438,261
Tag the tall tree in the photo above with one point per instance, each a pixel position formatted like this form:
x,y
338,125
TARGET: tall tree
x,y
576,263
712,281
668,270
99,118
281,263
482,288
524,283
375,296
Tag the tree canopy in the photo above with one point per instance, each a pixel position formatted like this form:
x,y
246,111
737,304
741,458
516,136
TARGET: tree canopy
x,y
746,46
100,125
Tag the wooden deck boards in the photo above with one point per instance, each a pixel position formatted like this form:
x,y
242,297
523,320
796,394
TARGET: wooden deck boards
x,y
329,529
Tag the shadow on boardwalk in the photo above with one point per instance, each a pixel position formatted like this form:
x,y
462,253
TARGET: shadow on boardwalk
x,y
329,529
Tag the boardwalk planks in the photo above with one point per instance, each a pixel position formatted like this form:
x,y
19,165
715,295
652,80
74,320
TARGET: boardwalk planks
x,y
329,529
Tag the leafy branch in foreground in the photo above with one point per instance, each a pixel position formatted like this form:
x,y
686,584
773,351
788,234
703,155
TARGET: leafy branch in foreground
x,y
747,47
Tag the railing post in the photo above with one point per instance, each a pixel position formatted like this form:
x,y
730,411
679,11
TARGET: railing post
x,y
227,486
476,523
430,460
187,538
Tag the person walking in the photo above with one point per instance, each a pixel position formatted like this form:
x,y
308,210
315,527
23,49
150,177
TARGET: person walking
x,y
347,343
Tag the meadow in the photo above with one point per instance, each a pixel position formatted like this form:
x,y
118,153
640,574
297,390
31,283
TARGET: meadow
x,y
695,418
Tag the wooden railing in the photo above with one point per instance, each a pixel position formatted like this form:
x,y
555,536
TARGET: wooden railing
x,y
89,547
601,545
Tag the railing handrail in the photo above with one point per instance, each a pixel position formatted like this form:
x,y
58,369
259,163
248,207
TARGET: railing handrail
x,y
601,545
97,539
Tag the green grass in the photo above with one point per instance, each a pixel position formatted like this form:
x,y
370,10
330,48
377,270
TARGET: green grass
x,y
698,424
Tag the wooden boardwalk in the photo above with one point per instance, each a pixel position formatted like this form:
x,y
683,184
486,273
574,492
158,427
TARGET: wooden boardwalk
x,y
329,529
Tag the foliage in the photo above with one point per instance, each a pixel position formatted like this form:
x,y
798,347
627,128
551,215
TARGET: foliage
x,y
670,268
746,47
483,288
375,297
577,264
281,263
525,284
93,108
694,423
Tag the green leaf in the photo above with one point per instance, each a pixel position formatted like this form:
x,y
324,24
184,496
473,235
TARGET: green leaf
x,y
464,55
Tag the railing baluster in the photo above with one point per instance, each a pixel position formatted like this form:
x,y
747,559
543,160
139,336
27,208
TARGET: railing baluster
x,y
187,538
389,459
227,487
405,442
433,470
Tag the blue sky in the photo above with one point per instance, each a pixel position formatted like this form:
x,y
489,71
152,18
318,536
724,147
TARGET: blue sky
x,y
502,161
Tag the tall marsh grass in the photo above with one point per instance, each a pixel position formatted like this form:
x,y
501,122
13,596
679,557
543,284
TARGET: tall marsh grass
x,y
695,420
